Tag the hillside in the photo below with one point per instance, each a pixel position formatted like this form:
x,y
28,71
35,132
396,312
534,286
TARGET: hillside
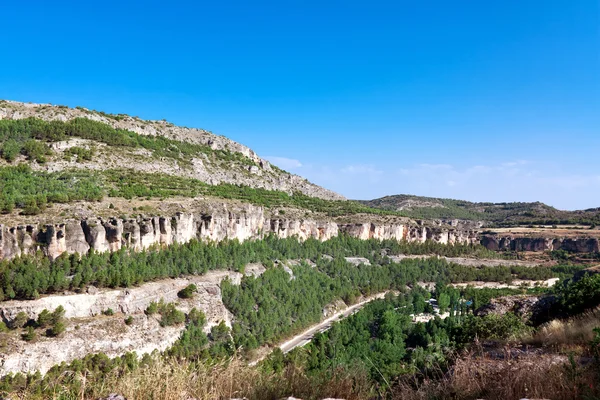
x,y
498,214
83,143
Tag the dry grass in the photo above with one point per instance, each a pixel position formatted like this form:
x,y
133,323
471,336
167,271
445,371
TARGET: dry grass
x,y
533,376
169,380
472,377
566,334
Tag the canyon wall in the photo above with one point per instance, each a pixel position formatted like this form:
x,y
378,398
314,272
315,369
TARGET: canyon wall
x,y
243,223
511,243
89,332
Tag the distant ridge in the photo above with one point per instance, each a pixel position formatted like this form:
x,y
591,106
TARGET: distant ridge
x,y
500,214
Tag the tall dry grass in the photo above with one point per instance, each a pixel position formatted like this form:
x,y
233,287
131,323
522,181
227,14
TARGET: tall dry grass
x,y
540,376
566,334
169,380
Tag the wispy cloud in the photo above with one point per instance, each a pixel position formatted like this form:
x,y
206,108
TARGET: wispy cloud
x,y
512,180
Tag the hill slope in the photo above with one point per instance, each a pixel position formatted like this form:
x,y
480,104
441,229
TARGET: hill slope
x,y
502,214
57,138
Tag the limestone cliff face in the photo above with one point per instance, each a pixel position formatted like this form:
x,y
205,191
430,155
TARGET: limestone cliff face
x,y
88,334
575,245
243,223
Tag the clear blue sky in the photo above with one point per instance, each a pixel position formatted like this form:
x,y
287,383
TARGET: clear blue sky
x,y
479,100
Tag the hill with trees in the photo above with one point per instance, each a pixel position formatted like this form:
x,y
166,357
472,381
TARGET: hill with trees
x,y
497,214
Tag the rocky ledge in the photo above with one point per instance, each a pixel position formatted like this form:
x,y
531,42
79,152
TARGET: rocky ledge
x,y
513,243
243,222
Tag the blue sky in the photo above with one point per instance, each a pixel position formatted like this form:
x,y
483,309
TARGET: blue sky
x,y
479,100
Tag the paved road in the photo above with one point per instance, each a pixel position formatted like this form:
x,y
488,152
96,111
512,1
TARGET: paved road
x,y
306,336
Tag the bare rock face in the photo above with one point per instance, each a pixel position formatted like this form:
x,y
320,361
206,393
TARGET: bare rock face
x,y
537,244
581,245
95,235
109,334
243,222
75,240
520,305
529,308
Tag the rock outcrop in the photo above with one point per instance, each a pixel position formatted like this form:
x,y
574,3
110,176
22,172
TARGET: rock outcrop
x,y
242,223
89,332
534,309
516,243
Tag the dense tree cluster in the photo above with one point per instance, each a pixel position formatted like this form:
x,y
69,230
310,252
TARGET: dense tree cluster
x,y
383,340
577,295
500,214
17,135
32,191
30,276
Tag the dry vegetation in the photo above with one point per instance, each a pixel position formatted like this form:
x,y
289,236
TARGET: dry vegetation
x,y
566,335
537,376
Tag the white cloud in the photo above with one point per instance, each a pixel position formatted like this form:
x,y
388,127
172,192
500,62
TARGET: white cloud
x,y
284,162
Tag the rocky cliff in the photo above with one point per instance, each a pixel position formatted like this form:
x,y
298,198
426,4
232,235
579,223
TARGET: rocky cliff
x,y
536,244
243,222
90,332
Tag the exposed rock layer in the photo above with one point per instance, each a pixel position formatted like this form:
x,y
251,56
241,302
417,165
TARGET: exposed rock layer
x,y
243,223
110,335
574,245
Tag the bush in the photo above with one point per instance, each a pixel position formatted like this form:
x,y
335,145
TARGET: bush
x,y
81,153
19,321
10,150
56,329
152,308
44,319
108,311
129,320
196,317
170,315
29,335
496,327
36,151
187,292
577,296
58,315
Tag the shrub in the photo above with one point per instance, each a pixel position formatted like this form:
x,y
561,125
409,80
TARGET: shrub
x,y
493,326
129,320
29,335
44,319
109,312
171,315
58,315
187,292
36,151
577,296
56,329
152,308
19,321
196,317
10,150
